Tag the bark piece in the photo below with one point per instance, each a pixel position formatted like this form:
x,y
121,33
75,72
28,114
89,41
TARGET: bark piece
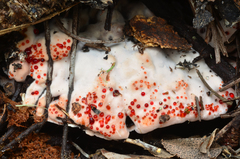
x,y
155,31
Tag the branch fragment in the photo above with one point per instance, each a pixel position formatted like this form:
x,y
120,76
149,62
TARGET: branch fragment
x,y
198,108
23,135
158,152
71,80
10,131
215,93
63,29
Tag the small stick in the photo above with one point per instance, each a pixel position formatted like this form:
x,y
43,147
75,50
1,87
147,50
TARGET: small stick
x,y
201,102
237,90
7,100
215,42
71,80
63,29
152,149
198,108
230,85
8,133
144,145
81,150
4,116
223,130
215,93
108,20
23,135
18,90
98,46
50,64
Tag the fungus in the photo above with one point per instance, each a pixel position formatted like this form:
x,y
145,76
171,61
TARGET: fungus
x,y
139,86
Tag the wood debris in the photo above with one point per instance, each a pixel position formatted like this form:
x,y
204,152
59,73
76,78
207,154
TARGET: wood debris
x,y
155,32
158,152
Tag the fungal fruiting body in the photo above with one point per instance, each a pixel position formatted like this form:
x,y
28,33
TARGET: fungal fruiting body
x,y
148,87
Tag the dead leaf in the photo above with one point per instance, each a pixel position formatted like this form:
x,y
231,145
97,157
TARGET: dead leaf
x,y
112,155
207,143
189,148
155,31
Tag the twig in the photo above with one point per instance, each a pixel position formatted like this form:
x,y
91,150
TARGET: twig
x,y
7,100
198,108
3,118
215,93
152,149
201,102
23,135
231,114
81,150
63,29
215,42
98,46
71,79
8,133
231,84
18,90
108,20
223,130
50,64
237,89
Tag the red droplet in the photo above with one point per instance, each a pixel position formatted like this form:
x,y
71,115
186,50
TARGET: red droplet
x,y
39,44
104,90
60,45
143,93
100,104
27,41
231,95
64,43
120,115
68,40
151,102
38,76
36,31
79,115
111,89
108,107
138,106
35,67
108,117
132,103
28,50
220,101
91,121
36,92
69,48
146,105
101,114
107,127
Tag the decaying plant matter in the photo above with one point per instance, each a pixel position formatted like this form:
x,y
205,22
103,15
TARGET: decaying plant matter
x,y
21,130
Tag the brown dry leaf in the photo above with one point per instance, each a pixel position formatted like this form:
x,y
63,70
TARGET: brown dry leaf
x,y
112,155
207,143
189,148
155,31
22,26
